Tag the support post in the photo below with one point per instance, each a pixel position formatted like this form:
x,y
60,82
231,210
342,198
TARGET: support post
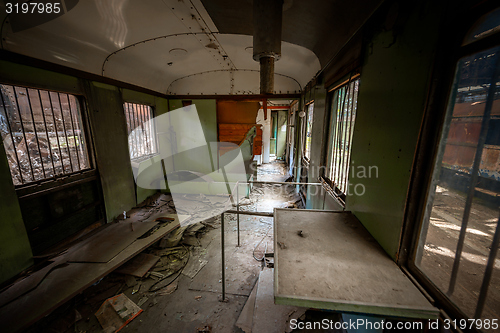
x,y
238,210
223,281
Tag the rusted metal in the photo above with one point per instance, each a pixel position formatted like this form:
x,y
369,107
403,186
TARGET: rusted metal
x,y
266,75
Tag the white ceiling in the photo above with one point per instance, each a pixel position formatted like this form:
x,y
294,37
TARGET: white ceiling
x,y
169,46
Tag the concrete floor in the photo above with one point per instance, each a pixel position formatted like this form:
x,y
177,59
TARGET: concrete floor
x,y
195,305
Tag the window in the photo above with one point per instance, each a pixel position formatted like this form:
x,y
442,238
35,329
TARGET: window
x,y
343,105
42,134
309,125
140,129
457,248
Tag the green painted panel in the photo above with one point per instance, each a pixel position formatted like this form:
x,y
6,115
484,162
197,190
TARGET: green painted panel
x,y
392,96
15,249
109,129
207,113
40,78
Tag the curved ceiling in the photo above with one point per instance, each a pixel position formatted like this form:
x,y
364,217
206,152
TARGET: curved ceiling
x,y
168,46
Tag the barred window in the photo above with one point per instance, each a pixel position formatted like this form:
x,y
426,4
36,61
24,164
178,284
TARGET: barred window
x,y
342,117
42,133
309,124
140,129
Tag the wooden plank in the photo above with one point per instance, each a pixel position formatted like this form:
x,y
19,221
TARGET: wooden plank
x,y
236,126
138,265
245,320
64,283
107,243
328,260
267,316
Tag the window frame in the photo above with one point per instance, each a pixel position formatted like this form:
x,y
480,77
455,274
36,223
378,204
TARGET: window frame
x,y
152,115
443,77
330,135
48,184
305,124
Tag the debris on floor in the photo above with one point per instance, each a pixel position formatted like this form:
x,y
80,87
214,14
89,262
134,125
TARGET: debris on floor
x,y
179,291
116,312
138,265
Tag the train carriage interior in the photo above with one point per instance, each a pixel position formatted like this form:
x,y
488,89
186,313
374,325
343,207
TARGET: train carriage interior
x,y
250,166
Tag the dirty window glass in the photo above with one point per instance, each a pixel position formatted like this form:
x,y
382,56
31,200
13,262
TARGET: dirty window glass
x,y
459,237
307,146
344,102
140,130
42,133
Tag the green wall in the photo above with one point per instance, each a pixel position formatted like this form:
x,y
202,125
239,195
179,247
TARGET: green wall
x,y
109,130
392,95
15,249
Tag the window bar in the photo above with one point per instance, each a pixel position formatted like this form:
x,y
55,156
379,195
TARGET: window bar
x,y
65,133
135,111
144,136
351,128
344,143
474,173
348,135
146,129
57,133
146,133
24,133
151,132
488,272
34,129
141,132
341,143
47,134
137,141
74,136
336,137
134,126
12,137
129,125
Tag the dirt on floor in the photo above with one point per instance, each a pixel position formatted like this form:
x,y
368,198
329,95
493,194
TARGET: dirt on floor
x,y
441,244
182,292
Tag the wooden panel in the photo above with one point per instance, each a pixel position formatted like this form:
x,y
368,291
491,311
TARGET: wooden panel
x,y
235,133
107,243
61,284
328,260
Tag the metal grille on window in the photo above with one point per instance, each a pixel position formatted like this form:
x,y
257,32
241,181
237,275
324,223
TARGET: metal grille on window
x,y
459,239
343,115
140,126
310,110
42,134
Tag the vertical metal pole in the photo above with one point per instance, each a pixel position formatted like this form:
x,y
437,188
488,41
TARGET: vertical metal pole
x,y
65,132
12,136
474,174
223,258
34,130
488,272
74,136
238,210
24,133
47,134
57,133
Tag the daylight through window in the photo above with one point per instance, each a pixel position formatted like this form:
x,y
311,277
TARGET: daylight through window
x,y
42,133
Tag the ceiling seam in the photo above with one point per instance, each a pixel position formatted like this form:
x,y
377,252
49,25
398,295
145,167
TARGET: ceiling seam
x,y
228,70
